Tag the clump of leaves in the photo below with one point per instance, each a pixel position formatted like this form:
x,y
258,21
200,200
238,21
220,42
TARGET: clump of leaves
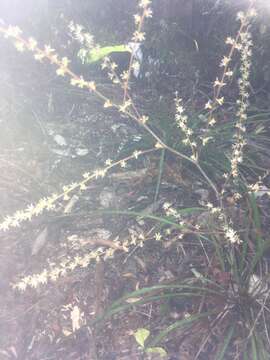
x,y
228,300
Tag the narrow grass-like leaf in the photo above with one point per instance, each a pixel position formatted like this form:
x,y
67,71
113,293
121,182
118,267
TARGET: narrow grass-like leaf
x,y
256,220
113,310
260,243
123,303
163,220
219,251
243,253
141,292
226,343
160,172
254,348
262,352
178,325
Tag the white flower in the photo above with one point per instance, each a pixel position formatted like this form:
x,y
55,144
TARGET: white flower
x,y
143,119
148,13
32,43
230,41
225,61
13,31
61,71
136,154
138,36
108,162
159,145
108,104
208,105
144,3
166,205
231,235
19,45
137,19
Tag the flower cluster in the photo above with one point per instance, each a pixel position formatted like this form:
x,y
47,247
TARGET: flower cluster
x,y
49,203
111,67
259,188
220,82
42,205
171,212
137,38
64,267
69,264
231,235
79,33
215,210
181,120
139,35
242,103
62,64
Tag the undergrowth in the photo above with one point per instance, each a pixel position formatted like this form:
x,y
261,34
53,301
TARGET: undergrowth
x,y
220,148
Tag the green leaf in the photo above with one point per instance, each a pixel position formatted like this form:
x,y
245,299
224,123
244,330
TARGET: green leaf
x,y
157,350
160,172
141,335
226,343
260,244
180,287
163,220
254,348
97,54
185,323
183,290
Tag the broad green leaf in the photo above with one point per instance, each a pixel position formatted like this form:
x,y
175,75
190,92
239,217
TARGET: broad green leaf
x,y
141,335
157,350
97,54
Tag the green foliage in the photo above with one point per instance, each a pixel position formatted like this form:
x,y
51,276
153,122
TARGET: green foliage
x,y
156,350
141,335
99,53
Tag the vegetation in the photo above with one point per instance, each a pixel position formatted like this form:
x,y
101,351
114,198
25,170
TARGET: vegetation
x,y
218,230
